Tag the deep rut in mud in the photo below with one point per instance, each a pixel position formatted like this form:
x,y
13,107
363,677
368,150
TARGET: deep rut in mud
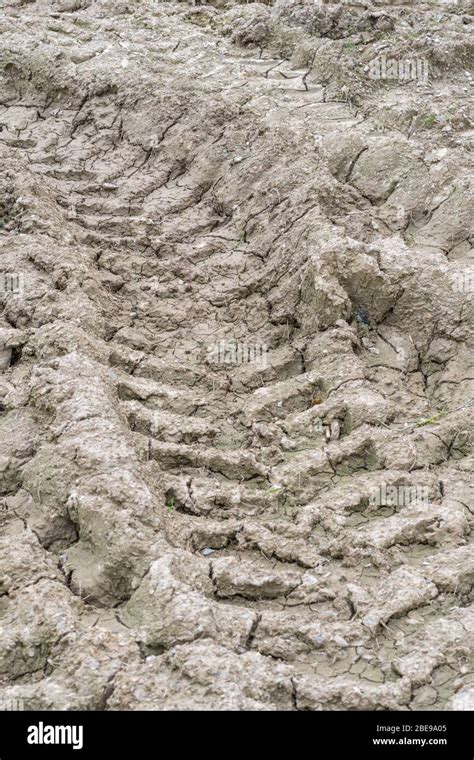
x,y
236,404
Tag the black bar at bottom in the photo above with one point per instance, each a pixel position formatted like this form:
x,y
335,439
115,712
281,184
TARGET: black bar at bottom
x,y
157,734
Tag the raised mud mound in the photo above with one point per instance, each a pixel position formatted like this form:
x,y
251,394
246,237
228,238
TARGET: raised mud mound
x,y
236,397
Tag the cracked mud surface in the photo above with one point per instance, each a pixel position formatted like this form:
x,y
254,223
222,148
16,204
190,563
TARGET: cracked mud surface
x,y
178,532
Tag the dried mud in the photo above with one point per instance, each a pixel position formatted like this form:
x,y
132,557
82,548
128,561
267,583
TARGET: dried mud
x,y
179,532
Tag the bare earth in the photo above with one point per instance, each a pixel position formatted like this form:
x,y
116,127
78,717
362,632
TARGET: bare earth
x,y
181,530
